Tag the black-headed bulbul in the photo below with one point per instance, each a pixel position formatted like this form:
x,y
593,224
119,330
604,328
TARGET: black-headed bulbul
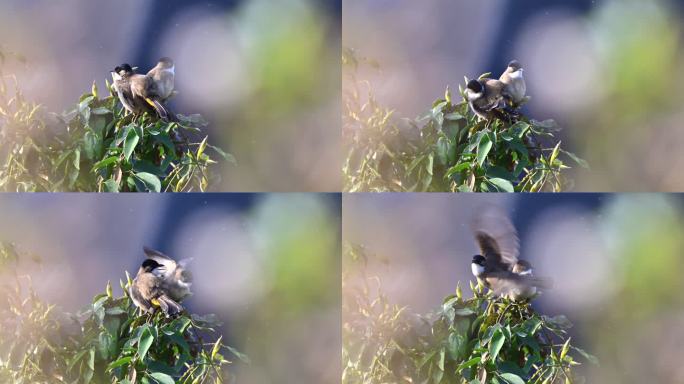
x,y
121,76
176,278
485,98
498,266
139,93
161,282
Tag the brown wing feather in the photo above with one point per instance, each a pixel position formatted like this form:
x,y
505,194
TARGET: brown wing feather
x,y
495,233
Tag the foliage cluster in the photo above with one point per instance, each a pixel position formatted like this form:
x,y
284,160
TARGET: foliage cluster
x,y
477,340
106,342
446,148
97,147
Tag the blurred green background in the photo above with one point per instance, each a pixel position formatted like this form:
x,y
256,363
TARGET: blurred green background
x,y
265,74
267,264
615,259
608,71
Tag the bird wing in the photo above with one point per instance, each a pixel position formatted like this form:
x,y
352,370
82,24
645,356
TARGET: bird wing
x,y
167,305
493,92
502,283
139,85
168,265
496,237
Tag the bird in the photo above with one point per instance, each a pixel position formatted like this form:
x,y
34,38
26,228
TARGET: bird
x,y
485,98
498,266
514,83
160,282
177,279
163,75
138,93
121,82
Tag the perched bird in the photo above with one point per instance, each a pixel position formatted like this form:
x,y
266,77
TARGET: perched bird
x,y
515,88
121,82
176,277
163,75
485,98
498,266
522,267
161,282
138,93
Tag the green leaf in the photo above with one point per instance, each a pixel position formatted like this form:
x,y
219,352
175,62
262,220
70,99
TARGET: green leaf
x,y
100,111
501,184
483,149
458,168
244,358
104,163
454,116
469,363
496,343
146,339
202,147
90,365
511,378
130,143
591,358
215,349
580,162
111,185
162,378
151,182
442,148
225,155
119,363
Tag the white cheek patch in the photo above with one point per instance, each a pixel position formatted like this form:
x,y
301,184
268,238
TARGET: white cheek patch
x,y
472,95
477,269
516,75
171,70
116,76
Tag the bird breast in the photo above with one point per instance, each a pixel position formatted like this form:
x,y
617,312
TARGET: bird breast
x,y
477,269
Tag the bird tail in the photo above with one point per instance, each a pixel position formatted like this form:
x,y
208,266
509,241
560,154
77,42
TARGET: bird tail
x,y
542,282
168,305
162,110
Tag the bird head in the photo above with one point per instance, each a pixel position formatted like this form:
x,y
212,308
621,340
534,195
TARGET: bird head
x,y
165,62
478,265
522,267
149,265
514,66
